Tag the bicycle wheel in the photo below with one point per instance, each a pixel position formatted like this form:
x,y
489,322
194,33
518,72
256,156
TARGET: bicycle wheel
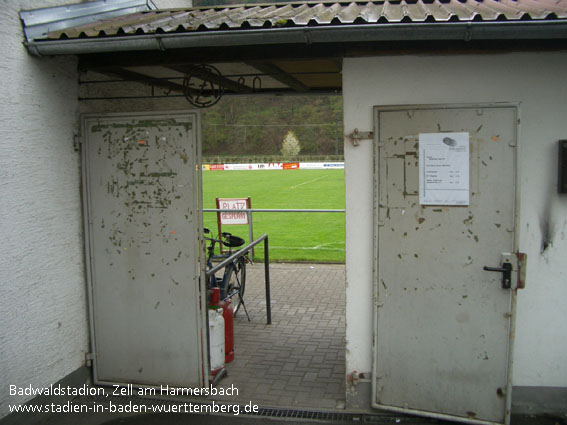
x,y
236,284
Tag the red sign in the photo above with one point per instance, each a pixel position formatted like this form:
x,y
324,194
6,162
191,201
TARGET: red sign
x,y
291,166
216,167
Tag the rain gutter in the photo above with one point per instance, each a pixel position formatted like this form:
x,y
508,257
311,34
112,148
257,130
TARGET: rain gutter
x,y
438,31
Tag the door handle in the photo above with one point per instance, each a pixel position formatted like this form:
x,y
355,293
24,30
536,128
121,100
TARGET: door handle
x,y
506,271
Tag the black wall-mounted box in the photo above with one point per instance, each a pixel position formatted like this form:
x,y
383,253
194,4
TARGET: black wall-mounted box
x,y
562,187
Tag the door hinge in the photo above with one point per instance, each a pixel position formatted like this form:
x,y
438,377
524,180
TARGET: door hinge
x,y
77,142
356,136
89,357
521,266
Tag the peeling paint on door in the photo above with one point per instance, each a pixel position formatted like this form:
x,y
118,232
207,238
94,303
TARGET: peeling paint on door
x,y
441,329
142,203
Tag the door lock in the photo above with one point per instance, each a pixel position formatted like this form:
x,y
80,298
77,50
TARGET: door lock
x,y
506,271
513,270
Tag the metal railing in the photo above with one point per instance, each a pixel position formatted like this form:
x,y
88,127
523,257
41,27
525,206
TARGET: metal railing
x,y
251,210
241,253
264,238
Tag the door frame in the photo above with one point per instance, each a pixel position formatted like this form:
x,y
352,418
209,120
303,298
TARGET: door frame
x,y
90,357
375,272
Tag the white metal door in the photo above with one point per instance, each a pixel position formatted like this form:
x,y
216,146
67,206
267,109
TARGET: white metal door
x,y
142,225
443,323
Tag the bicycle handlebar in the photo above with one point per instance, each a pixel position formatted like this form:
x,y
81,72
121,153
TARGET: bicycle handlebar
x,y
229,240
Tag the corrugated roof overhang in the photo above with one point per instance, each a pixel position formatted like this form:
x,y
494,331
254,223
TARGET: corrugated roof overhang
x,y
311,23
293,47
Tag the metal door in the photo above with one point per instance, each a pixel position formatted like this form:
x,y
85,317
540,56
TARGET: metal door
x,y
142,226
442,323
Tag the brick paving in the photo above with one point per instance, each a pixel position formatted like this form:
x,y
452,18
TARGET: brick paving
x,y
298,361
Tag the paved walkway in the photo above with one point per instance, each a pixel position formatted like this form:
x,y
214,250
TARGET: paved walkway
x,y
295,363
298,361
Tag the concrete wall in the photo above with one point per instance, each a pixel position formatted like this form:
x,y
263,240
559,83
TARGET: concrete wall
x,y
538,82
43,328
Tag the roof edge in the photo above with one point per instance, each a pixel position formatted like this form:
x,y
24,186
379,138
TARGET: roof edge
x,y
449,31
38,22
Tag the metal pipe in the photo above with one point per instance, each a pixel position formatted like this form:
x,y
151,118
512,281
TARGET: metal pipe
x,y
433,415
250,229
267,281
263,92
255,74
274,210
495,30
243,252
237,254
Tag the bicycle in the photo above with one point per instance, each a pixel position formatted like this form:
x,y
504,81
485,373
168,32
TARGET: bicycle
x,y
233,282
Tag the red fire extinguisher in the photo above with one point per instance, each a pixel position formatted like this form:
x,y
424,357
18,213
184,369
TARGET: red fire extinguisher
x,y
228,314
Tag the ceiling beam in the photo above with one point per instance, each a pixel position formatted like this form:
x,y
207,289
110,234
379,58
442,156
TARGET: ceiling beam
x,y
205,75
92,61
198,56
128,75
320,91
278,74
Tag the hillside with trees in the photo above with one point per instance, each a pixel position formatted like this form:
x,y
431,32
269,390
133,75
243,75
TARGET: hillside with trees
x,y
256,125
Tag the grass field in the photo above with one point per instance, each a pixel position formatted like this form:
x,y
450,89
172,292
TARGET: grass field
x,y
317,237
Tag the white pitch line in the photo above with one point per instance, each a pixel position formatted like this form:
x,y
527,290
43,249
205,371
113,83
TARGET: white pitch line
x,y
306,248
310,181
328,243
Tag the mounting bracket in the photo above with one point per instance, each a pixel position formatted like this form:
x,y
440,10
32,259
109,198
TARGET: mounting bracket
x,y
356,136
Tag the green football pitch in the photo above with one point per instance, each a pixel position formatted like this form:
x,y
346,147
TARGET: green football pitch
x,y
316,237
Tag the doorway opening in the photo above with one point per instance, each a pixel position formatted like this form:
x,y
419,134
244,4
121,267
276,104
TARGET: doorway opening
x,y
299,360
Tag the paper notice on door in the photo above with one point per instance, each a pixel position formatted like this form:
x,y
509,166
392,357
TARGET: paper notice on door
x,y
444,168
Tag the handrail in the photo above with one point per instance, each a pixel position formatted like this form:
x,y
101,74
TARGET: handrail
x,y
241,253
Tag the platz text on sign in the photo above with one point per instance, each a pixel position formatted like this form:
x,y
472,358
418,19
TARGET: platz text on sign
x,y
236,215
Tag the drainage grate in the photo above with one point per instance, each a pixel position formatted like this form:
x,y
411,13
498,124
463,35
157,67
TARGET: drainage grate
x,y
378,418
381,418
306,414
272,412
